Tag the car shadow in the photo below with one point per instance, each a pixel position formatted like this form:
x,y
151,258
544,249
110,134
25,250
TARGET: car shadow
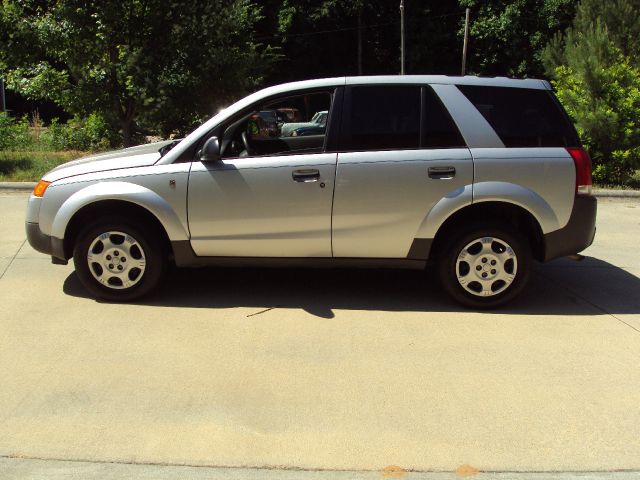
x,y
562,287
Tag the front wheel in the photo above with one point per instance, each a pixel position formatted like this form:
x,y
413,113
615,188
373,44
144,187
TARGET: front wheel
x,y
117,261
485,267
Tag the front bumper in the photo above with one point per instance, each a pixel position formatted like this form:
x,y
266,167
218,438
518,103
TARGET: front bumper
x,y
579,232
45,243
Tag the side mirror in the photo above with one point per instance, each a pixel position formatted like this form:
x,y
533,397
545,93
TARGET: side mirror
x,y
210,151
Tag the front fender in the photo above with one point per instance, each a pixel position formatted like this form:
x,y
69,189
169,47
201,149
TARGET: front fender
x,y
124,191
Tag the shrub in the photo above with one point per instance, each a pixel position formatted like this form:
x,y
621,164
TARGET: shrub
x,y
92,133
606,117
14,133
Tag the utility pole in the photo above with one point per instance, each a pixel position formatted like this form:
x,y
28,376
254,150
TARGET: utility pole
x,y
3,105
401,37
466,41
360,40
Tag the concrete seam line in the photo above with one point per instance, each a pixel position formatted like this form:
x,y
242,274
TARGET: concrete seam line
x,y
12,259
302,469
597,307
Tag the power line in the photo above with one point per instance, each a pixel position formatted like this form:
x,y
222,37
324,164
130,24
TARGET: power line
x,y
396,23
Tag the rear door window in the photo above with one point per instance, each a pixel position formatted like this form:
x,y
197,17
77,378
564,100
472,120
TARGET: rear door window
x,y
396,117
523,117
382,118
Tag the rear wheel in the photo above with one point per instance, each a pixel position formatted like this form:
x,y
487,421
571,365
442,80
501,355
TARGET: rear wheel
x,y
485,267
117,261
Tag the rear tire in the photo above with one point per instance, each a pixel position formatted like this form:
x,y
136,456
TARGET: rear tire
x,y
118,261
485,267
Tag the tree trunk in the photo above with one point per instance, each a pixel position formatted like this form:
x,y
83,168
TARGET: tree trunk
x,y
127,131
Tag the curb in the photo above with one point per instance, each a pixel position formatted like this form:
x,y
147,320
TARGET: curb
x,y
598,192
17,186
601,192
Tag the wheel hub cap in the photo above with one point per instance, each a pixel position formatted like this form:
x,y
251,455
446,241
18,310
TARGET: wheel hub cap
x,y
486,266
116,260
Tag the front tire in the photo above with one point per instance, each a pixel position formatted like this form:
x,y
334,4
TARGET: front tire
x,y
485,267
118,261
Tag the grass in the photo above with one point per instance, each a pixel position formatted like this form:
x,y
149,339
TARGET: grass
x,y
30,166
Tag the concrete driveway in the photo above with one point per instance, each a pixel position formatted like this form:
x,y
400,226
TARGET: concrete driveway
x,y
323,370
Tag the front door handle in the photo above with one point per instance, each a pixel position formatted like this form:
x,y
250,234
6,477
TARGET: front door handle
x,y
442,173
306,176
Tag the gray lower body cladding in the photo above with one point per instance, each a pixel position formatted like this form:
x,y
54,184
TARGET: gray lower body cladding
x,y
577,235
45,243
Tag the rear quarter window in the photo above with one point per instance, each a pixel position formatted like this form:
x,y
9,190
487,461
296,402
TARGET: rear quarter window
x,y
523,117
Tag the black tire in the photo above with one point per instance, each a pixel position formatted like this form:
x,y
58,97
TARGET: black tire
x,y
150,249
448,267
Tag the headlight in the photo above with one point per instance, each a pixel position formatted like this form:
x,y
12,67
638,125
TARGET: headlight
x,y
41,187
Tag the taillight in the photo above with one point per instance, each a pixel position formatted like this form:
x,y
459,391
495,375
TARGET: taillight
x,y
582,162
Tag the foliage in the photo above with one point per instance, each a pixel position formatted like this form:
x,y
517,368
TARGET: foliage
x,y
607,122
14,134
149,64
86,134
92,134
345,37
599,84
507,37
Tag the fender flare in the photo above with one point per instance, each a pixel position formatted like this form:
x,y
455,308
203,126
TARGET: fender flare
x,y
500,192
521,196
443,209
120,191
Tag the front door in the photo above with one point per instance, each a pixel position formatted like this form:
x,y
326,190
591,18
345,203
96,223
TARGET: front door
x,y
271,194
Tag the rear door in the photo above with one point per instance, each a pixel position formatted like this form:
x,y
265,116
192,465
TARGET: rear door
x,y
400,154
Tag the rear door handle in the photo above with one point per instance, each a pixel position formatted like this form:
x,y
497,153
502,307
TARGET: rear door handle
x,y
442,173
306,176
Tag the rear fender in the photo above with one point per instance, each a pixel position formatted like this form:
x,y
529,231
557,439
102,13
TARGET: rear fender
x,y
446,206
518,195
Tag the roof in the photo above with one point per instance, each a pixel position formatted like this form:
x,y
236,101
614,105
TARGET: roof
x,y
447,80
410,80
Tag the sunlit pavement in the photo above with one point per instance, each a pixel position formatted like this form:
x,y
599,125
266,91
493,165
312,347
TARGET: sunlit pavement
x,y
307,370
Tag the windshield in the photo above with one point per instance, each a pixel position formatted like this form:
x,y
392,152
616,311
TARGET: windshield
x,y
164,150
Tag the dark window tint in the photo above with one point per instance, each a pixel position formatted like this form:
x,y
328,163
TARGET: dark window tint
x,y
523,117
438,131
384,118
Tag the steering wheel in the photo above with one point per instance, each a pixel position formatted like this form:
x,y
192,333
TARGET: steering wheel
x,y
245,141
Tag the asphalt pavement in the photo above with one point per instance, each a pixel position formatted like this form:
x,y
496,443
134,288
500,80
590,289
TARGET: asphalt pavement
x,y
293,374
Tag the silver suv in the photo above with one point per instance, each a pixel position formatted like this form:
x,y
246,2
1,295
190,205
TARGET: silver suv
x,y
477,176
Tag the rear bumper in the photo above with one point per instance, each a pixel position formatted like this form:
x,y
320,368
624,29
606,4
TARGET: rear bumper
x,y
577,235
45,243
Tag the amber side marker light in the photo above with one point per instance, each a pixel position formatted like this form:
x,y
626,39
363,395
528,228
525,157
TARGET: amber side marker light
x,y
41,187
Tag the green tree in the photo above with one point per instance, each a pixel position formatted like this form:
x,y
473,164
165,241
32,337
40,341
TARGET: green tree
x,y
507,37
597,77
347,37
142,64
